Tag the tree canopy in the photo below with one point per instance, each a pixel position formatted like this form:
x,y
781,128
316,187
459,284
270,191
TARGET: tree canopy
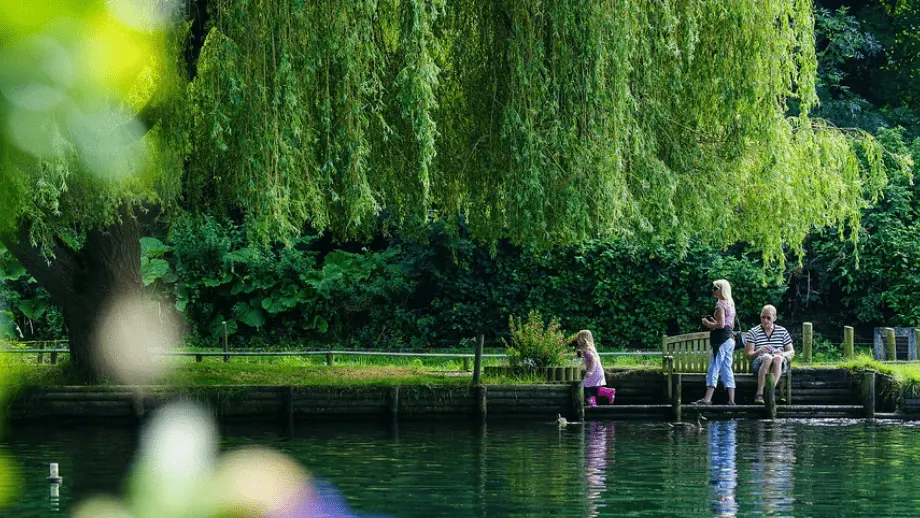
x,y
540,121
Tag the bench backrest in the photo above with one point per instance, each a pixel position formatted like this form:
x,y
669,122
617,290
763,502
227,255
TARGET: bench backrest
x,y
691,353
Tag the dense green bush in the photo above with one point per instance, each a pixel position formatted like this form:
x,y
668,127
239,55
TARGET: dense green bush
x,y
536,343
432,292
289,293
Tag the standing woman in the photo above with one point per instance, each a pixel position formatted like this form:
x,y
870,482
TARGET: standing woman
x,y
722,342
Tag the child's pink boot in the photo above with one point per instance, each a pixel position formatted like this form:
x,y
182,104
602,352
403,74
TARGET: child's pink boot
x,y
592,401
608,393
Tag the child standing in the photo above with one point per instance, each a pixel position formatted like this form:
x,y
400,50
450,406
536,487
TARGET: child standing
x,y
595,381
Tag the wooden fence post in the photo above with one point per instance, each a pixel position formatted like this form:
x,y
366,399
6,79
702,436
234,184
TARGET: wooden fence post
x,y
137,404
848,351
466,364
769,396
868,390
807,341
477,364
890,351
916,338
394,402
578,401
669,375
226,358
330,358
675,400
41,356
289,407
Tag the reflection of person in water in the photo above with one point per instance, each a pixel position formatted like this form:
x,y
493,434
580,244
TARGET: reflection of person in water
x,y
771,470
722,473
599,436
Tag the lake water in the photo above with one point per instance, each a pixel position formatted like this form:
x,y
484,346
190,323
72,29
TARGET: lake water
x,y
524,468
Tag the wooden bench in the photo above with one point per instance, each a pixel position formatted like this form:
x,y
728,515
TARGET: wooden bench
x,y
689,354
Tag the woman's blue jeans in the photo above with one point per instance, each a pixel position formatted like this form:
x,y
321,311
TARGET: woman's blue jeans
x,y
721,365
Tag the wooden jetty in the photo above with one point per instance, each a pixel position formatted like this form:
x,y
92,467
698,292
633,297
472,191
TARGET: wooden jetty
x,y
641,394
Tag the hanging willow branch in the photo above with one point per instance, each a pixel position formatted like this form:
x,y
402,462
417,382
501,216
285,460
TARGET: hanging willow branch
x,y
544,121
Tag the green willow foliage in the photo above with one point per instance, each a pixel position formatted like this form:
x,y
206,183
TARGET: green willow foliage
x,y
542,121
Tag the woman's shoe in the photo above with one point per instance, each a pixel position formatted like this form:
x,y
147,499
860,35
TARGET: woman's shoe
x,y
592,401
701,402
758,399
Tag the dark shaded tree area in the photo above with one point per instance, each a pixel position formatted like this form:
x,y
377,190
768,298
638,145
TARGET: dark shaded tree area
x,y
868,65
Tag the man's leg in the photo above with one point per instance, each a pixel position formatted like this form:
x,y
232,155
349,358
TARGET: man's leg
x,y
777,368
765,364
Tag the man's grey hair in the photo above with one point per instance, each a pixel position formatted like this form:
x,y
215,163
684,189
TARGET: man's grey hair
x,y
771,308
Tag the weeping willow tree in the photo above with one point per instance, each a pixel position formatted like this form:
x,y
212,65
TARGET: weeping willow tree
x,y
541,121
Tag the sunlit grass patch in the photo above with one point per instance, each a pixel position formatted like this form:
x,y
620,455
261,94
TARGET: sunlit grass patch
x,y
907,374
305,374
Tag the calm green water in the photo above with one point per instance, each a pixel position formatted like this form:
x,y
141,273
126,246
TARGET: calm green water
x,y
425,469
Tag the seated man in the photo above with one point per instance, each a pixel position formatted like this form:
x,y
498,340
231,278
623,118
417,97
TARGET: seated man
x,y
770,346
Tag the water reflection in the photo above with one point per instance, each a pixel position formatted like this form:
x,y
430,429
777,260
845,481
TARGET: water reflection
x,y
599,440
772,470
436,468
723,476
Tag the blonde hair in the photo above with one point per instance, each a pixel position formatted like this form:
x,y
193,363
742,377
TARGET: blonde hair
x,y
726,289
584,338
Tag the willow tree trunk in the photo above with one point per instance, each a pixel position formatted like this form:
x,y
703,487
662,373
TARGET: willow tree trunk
x,y
82,283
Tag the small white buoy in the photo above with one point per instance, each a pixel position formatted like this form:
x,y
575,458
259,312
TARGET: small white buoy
x,y
55,477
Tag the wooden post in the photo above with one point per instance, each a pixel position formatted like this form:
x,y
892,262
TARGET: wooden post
x,y
198,358
868,390
675,401
788,387
889,345
848,351
482,403
807,340
477,364
466,364
226,358
769,397
558,374
330,358
578,401
137,404
669,374
916,339
54,357
289,407
394,402
41,356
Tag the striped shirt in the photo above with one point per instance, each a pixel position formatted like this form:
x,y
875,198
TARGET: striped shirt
x,y
777,340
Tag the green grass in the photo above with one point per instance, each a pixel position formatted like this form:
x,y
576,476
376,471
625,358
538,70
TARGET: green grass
x,y
632,362
906,374
284,371
21,370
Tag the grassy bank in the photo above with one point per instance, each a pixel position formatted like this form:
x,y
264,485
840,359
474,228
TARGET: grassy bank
x,y
364,370
256,372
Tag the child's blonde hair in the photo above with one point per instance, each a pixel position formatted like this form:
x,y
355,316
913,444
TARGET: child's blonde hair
x,y
584,339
